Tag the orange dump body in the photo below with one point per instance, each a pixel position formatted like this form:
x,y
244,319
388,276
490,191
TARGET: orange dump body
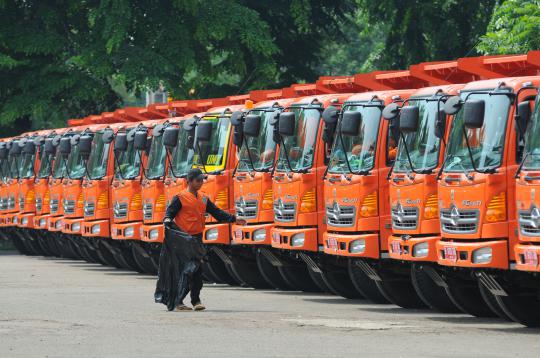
x,y
356,205
478,210
298,197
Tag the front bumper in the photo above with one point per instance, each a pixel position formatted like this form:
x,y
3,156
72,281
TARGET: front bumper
x,y
527,257
244,235
72,226
126,231
340,245
400,249
282,238
26,220
217,234
152,233
96,228
10,219
40,221
55,223
462,254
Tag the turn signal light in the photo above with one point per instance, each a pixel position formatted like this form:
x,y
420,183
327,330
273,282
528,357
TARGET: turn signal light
x,y
268,199
80,201
496,210
30,197
103,202
369,205
221,199
431,210
46,198
160,203
136,202
307,203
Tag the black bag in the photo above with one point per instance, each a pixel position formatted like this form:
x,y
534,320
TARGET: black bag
x,y
181,256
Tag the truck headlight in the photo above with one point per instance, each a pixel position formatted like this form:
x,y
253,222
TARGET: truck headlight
x,y
420,250
95,229
24,221
153,234
482,255
15,220
357,246
129,231
76,227
298,239
58,225
259,235
42,222
212,234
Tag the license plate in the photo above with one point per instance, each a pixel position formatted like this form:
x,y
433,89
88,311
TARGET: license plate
x,y
450,253
238,234
396,247
531,258
332,243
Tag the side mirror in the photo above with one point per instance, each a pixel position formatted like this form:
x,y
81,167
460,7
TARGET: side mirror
x,y
286,124
391,111
238,134
64,148
85,145
15,148
39,140
158,130
120,142
522,116
252,125
29,147
170,136
350,123
408,119
108,136
49,147
139,140
330,114
56,140
204,131
440,124
473,113
453,105
237,118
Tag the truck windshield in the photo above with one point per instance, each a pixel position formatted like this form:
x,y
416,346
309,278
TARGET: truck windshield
x,y
45,165
214,152
75,163
423,145
360,150
262,148
532,144
99,157
15,166
486,143
128,164
27,165
4,167
301,146
156,159
182,159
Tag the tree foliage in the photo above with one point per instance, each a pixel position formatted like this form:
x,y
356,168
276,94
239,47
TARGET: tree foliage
x,y
514,28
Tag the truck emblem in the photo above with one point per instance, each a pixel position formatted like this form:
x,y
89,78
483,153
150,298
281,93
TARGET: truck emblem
x,y
400,215
241,205
535,217
454,215
336,211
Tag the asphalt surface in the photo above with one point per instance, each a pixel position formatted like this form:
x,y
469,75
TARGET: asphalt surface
x,y
64,308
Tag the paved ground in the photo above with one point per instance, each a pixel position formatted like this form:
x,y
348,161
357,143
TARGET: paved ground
x,y
61,308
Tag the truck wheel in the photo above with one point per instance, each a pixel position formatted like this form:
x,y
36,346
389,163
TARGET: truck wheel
x,y
106,255
40,240
19,245
91,251
143,259
466,296
218,267
22,238
317,277
248,272
493,304
400,292
521,305
208,275
127,255
51,241
298,277
270,272
74,246
433,295
365,285
339,282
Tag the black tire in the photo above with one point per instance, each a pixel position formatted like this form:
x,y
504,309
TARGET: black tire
x,y
218,267
433,295
53,245
522,306
401,293
248,272
19,245
493,303
297,276
127,255
143,259
40,240
270,272
91,251
364,284
84,252
337,279
22,238
208,275
106,255
466,296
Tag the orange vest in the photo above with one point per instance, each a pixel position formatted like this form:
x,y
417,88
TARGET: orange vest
x,y
191,216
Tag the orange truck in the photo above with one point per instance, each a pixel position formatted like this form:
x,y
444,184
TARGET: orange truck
x,y
476,191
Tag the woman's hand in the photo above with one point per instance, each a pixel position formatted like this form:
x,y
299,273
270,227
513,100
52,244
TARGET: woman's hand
x,y
241,221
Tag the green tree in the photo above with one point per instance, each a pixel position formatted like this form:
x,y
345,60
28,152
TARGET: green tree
x,y
514,28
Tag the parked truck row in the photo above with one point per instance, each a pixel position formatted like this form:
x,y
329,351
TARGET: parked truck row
x,y
414,187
